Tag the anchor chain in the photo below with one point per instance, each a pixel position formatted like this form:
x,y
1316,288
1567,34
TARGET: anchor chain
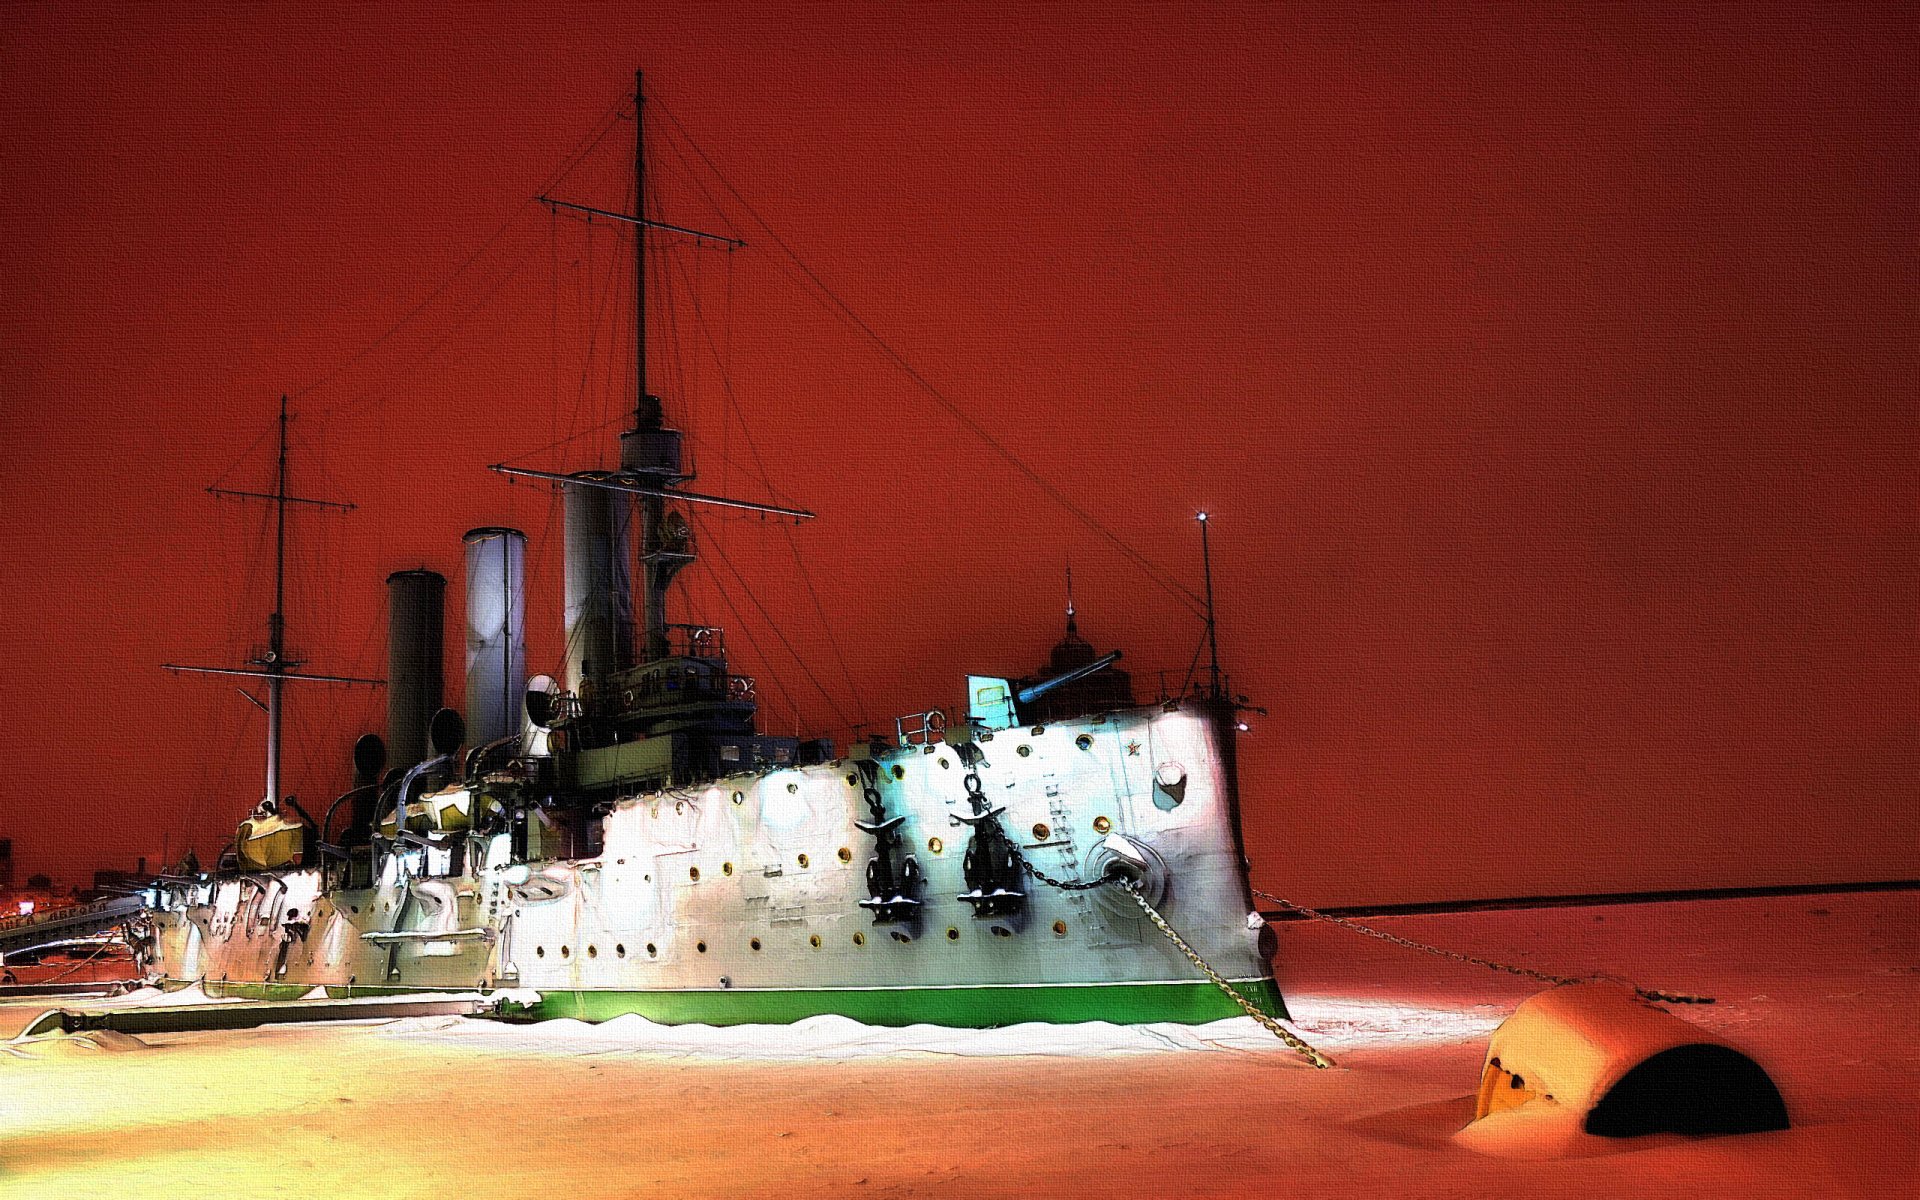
x,y
1271,1024
1652,994
1063,884
876,807
1293,1041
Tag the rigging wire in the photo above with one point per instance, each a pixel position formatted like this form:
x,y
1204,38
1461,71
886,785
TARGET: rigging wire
x,y
542,570
605,314
588,142
553,324
609,423
266,431
746,433
1193,664
306,716
772,624
840,307
746,631
376,394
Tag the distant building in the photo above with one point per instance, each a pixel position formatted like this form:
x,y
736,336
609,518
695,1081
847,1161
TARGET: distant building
x,y
114,882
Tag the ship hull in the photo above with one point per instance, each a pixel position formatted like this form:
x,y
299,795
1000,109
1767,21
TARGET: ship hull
x,y
739,901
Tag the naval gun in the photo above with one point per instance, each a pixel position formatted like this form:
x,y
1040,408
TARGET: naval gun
x,y
1027,695
994,703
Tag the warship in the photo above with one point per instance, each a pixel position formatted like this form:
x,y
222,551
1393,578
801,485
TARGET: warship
x,y
625,839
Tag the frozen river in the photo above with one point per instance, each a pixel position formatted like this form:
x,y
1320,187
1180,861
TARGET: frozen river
x,y
1824,991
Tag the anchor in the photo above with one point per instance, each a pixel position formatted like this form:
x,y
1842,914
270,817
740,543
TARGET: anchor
x,y
993,864
893,881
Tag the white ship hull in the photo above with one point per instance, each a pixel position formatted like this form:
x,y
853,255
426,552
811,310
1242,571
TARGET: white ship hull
x,y
740,901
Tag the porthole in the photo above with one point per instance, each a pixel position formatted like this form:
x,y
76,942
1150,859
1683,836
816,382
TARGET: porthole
x,y
814,941
539,951
1101,824
1024,750
1084,741
946,764
793,787
1037,730
899,772
953,935
620,950
859,939
803,860
1169,786
846,855
592,951
753,944
693,873
936,845
1059,929
1041,832
566,952
739,797
653,951
700,947
853,779
726,868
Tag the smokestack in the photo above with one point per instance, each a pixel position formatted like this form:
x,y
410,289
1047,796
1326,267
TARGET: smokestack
x,y
415,603
496,633
599,583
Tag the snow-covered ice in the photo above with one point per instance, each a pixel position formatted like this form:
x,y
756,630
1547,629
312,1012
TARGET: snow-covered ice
x,y
1823,991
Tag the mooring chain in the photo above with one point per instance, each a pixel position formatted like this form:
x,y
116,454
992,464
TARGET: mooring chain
x,y
1292,1040
1273,1026
1644,993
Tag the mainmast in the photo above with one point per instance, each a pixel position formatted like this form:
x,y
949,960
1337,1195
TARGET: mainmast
x,y
650,452
601,504
641,399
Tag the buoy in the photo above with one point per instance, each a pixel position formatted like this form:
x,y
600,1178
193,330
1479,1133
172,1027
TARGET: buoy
x,y
1597,1052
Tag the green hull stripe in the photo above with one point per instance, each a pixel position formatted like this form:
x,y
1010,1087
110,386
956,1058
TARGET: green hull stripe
x,y
982,1007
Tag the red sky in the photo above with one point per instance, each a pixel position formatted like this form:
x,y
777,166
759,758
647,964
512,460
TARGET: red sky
x,y
1551,377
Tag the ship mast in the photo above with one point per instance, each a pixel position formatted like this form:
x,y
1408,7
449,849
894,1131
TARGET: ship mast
x,y
1213,635
272,664
651,451
640,255
652,468
277,621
